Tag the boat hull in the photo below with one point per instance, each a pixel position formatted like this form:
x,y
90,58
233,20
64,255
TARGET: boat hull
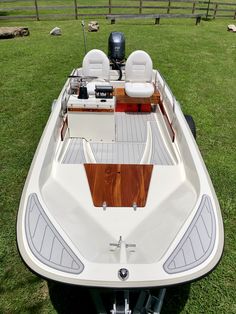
x,y
175,236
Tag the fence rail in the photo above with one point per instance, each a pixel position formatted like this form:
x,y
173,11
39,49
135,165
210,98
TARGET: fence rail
x,y
32,9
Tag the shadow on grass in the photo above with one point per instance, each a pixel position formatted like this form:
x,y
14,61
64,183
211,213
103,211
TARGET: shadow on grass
x,y
67,299
4,13
73,299
175,299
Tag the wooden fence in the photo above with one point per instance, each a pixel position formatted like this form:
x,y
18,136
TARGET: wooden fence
x,y
40,10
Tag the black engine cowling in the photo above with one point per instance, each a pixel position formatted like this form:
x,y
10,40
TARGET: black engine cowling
x,y
116,47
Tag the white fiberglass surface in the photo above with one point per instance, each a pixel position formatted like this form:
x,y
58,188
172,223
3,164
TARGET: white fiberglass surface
x,y
142,235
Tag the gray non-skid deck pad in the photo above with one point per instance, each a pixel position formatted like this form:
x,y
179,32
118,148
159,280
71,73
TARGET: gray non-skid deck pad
x,y
198,241
160,155
75,152
118,153
131,136
132,126
45,242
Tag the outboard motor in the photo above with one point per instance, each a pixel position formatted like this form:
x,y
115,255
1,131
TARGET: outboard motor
x,y
116,46
116,51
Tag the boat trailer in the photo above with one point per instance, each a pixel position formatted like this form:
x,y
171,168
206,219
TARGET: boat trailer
x,y
146,302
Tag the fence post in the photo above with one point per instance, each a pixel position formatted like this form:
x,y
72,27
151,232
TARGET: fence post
x,y
215,10
36,9
140,6
193,10
208,8
235,15
76,10
109,6
168,9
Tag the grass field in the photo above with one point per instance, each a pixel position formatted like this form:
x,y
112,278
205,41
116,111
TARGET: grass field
x,y
61,9
199,65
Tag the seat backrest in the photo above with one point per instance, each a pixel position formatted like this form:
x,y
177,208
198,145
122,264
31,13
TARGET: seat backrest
x,y
138,67
96,63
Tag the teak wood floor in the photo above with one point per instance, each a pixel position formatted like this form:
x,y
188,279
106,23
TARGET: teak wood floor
x,y
118,185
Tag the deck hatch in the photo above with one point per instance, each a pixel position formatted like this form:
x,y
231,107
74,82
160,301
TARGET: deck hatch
x,y
118,185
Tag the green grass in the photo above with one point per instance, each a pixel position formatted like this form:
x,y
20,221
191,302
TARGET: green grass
x,y
199,65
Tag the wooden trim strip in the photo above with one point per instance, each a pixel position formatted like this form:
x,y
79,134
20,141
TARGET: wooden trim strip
x,y
64,128
90,110
168,123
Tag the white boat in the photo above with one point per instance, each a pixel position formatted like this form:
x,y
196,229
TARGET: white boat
x,y
118,195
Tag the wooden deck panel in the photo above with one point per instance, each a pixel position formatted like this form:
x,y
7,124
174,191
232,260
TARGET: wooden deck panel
x,y
119,185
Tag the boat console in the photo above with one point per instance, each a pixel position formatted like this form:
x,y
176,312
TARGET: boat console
x,y
92,118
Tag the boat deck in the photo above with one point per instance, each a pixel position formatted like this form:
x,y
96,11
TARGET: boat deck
x,y
129,145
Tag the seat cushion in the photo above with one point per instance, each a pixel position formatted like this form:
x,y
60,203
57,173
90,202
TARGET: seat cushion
x,y
139,89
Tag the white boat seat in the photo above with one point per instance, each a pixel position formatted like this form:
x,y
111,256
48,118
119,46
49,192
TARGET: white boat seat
x,y
139,89
96,63
138,70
